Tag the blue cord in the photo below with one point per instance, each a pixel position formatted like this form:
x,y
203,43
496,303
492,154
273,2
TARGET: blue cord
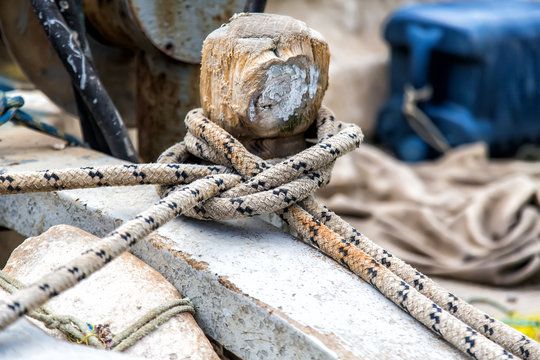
x,y
10,111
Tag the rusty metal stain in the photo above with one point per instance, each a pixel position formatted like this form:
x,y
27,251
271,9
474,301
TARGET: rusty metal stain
x,y
179,27
166,90
112,23
224,280
163,243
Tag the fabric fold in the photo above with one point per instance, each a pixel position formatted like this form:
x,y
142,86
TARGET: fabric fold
x,y
463,216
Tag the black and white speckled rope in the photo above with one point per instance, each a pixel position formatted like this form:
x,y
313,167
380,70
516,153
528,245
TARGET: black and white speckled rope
x,y
504,335
113,245
265,189
260,176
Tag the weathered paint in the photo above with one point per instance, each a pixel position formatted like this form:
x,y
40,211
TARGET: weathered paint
x,y
110,296
259,292
176,28
166,90
263,78
30,48
286,86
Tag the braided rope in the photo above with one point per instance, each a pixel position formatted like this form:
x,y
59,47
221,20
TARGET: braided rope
x,y
113,245
112,175
210,142
499,332
284,188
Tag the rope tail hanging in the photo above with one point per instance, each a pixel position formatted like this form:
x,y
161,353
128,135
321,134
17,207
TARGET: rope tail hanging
x,y
81,332
241,184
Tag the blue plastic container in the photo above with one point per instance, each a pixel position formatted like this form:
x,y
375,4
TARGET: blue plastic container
x,y
482,62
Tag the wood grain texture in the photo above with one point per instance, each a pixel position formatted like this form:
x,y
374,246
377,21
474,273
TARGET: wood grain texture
x,y
263,76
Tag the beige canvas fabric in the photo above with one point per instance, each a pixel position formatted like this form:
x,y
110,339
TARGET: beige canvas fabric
x,y
462,216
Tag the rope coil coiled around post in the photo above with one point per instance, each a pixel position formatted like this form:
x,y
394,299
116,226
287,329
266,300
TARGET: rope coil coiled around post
x,y
248,186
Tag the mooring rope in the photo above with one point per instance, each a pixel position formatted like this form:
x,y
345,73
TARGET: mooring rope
x,y
252,186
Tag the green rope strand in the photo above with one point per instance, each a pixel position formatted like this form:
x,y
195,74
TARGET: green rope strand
x,y
79,331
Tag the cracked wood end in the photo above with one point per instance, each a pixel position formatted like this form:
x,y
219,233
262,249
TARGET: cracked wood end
x,y
263,78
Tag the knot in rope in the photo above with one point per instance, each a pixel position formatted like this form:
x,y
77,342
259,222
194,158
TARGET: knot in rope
x,y
9,106
268,186
245,185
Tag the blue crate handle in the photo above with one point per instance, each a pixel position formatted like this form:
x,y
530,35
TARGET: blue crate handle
x,y
422,41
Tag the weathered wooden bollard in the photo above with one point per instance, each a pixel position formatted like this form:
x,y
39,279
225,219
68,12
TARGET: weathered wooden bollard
x,y
263,78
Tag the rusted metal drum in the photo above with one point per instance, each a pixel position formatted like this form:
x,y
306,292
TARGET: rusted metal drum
x,y
167,36
143,50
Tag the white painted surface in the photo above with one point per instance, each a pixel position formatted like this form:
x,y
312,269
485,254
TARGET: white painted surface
x,y
285,89
306,286
259,292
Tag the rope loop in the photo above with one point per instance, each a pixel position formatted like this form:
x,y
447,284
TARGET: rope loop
x,y
9,107
268,186
10,111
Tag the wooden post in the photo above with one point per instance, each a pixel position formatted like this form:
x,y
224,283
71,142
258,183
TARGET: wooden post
x,y
263,78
